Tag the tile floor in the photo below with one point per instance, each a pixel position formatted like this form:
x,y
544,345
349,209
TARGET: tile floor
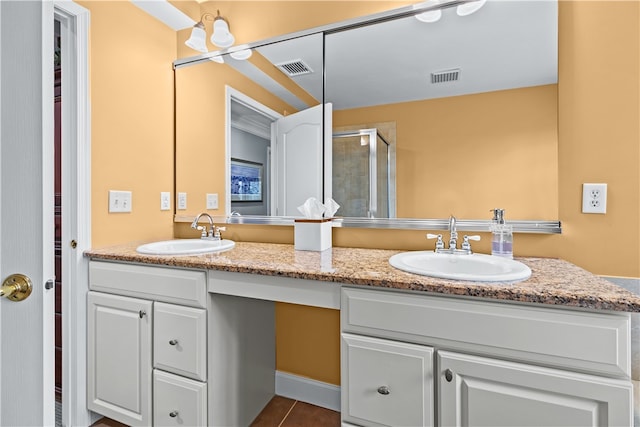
x,y
279,412
284,412
107,422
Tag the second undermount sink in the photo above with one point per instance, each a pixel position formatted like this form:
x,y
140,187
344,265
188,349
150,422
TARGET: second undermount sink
x,y
474,267
185,247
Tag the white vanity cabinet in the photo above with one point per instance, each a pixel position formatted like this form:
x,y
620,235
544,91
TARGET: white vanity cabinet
x,y
147,344
494,364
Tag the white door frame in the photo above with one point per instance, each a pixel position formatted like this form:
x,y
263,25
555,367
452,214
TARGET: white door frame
x,y
76,208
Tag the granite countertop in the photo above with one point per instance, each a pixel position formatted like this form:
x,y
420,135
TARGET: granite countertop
x,y
552,281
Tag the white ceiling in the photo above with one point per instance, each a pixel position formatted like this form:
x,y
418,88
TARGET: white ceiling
x,y
506,44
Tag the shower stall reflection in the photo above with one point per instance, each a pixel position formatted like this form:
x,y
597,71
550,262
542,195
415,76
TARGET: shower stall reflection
x,y
363,176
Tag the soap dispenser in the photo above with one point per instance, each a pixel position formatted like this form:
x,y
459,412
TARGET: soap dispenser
x,y
502,235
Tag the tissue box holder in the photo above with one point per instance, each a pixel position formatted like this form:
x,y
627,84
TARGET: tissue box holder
x,y
312,234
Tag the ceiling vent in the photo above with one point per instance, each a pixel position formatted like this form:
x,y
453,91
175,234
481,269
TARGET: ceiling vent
x,y
445,76
293,68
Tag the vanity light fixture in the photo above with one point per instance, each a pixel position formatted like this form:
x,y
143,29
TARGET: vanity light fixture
x,y
221,36
469,8
241,55
429,16
464,9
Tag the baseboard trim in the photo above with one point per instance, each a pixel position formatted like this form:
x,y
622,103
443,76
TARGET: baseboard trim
x,y
307,390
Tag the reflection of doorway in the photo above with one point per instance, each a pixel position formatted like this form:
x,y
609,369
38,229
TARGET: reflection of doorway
x,y
249,141
295,164
58,217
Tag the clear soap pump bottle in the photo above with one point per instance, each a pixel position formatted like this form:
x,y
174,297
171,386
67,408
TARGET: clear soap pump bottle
x,y
502,235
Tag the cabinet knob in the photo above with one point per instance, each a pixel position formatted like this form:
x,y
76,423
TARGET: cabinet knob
x,y
142,313
384,390
173,414
448,375
173,342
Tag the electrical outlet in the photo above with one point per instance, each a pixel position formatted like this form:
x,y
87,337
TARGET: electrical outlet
x,y
120,201
165,201
594,198
182,201
212,200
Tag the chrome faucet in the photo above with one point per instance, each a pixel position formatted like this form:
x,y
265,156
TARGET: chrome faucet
x,y
465,249
204,234
453,236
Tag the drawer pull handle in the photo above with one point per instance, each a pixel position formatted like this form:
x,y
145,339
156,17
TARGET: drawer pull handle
x,y
384,390
173,342
142,313
448,375
173,414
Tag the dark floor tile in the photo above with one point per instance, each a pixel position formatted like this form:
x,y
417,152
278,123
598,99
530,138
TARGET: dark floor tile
x,y
304,414
107,422
273,414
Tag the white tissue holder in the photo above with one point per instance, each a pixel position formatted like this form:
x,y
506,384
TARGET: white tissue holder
x,y
312,234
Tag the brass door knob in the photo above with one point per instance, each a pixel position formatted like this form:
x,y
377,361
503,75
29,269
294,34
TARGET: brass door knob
x,y
16,287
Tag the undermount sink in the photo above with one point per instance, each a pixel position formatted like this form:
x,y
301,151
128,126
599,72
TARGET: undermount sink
x,y
474,267
185,247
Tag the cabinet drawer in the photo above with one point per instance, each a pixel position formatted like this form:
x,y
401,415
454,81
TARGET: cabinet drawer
x,y
186,287
386,382
180,340
178,401
596,342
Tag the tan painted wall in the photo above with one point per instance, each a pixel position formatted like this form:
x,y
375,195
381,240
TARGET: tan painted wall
x,y
131,120
600,133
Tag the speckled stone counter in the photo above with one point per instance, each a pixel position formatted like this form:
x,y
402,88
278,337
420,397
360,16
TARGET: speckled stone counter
x,y
553,281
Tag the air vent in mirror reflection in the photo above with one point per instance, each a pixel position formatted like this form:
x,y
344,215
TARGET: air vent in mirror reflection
x,y
296,67
445,76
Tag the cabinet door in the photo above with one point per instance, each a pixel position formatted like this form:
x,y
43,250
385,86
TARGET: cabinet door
x,y
119,358
477,391
386,382
178,401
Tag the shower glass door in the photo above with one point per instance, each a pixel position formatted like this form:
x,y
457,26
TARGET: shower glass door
x,y
361,174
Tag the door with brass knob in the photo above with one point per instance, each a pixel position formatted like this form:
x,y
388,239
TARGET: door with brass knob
x,y
16,287
27,393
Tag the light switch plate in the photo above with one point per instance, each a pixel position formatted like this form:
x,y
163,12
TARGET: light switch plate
x,y
165,200
120,201
212,200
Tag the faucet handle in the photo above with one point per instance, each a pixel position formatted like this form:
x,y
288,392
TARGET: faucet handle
x,y
466,246
202,229
439,242
218,230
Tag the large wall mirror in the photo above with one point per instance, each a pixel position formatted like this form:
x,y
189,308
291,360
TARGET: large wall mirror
x,y
420,116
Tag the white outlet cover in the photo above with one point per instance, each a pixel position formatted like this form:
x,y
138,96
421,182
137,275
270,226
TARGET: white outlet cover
x,y
182,201
594,198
